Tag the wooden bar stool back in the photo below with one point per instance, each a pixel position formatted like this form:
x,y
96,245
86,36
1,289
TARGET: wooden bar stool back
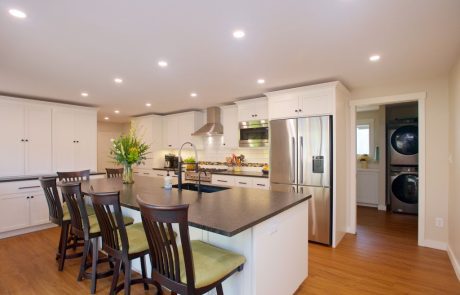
x,y
58,215
173,265
114,172
74,176
116,238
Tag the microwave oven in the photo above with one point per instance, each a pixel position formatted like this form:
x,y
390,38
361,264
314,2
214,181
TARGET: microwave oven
x,y
254,134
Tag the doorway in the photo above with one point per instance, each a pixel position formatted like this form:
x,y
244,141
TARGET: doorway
x,y
365,128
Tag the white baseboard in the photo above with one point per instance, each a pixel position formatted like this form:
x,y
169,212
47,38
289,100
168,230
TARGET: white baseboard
x,y
382,207
433,244
25,230
454,261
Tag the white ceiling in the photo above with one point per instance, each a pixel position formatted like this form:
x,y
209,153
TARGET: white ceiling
x,y
65,47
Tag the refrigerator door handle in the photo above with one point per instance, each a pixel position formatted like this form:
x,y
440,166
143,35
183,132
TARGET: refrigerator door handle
x,y
301,159
293,161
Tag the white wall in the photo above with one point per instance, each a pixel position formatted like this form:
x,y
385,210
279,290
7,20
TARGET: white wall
x,y
437,126
105,132
454,193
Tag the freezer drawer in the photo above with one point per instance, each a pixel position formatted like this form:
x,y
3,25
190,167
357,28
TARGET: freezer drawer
x,y
319,223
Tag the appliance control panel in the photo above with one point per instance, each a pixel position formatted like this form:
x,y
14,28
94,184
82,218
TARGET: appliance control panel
x,y
318,164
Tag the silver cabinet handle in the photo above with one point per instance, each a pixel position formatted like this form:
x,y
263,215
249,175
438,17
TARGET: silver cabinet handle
x,y
159,174
26,187
301,159
293,161
242,182
219,180
260,184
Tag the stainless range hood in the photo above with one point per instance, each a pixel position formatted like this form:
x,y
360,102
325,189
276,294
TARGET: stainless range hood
x,y
213,125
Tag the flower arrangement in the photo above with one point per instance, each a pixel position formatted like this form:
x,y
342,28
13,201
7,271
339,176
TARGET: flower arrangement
x,y
235,161
363,160
128,150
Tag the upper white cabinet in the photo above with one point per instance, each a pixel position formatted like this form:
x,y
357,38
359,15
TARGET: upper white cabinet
x,y
26,137
178,128
305,101
74,139
150,129
252,109
229,119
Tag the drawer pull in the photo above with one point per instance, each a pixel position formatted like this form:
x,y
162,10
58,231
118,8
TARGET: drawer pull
x,y
220,180
146,173
242,182
26,187
260,184
159,174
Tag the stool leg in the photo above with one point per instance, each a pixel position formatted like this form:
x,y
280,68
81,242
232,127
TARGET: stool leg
x,y
144,273
127,264
219,290
63,244
94,265
83,260
158,286
116,274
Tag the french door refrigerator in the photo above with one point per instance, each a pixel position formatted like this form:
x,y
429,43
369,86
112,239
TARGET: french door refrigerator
x,y
300,160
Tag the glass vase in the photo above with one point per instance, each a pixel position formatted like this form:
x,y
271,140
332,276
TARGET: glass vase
x,y
128,174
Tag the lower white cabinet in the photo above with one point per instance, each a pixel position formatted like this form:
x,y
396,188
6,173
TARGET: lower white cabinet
x,y
367,187
22,205
241,181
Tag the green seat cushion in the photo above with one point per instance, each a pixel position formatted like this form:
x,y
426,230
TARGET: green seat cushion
x,y
136,238
210,263
94,225
66,214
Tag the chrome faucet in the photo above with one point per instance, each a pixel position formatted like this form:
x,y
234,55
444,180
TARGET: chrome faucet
x,y
199,179
179,177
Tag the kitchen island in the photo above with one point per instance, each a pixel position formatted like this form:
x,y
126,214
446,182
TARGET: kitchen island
x,y
269,228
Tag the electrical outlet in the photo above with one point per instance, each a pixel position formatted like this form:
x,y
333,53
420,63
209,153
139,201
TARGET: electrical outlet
x,y
439,222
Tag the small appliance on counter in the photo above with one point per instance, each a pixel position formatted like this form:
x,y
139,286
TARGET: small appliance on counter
x,y
171,161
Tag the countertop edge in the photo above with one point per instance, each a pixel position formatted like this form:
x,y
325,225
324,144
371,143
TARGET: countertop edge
x,y
35,177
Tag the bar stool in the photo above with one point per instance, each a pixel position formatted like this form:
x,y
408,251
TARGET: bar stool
x,y
87,228
122,243
74,176
193,267
114,172
59,215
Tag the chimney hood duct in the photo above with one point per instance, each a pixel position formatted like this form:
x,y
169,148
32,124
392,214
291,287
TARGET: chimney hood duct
x,y
213,125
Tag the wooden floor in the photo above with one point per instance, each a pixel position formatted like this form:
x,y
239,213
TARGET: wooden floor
x,y
383,258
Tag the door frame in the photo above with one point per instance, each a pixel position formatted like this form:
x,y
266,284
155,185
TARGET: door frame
x,y
419,97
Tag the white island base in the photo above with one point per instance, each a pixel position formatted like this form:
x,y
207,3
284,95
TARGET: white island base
x,y
276,252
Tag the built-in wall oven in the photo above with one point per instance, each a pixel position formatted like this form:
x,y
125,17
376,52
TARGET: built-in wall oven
x,y
254,133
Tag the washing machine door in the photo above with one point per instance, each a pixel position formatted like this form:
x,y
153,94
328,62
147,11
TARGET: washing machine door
x,y
405,140
405,188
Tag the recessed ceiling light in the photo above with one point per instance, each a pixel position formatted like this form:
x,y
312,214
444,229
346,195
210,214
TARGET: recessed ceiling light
x,y
238,34
116,111
17,13
118,80
106,118
148,104
261,81
163,63
84,94
193,94
374,57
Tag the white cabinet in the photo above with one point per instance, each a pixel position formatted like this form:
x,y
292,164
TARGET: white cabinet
x,y
367,187
241,181
225,180
74,139
301,102
229,117
26,138
150,129
252,109
22,205
178,128
261,183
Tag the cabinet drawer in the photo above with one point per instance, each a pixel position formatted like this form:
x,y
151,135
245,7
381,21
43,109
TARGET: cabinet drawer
x,y
261,183
243,181
223,180
159,173
19,187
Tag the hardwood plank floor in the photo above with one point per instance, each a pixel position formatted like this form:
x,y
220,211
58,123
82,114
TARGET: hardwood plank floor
x,y
383,258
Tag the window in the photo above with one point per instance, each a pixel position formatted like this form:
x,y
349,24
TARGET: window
x,y
365,137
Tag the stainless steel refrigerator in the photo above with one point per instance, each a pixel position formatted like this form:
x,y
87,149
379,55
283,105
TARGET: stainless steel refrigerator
x,y
300,161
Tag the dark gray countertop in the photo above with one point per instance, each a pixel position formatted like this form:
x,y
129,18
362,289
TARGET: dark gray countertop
x,y
227,212
34,177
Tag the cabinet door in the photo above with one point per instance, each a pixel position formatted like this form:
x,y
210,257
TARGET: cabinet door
x,y
231,129
63,139
317,103
283,107
246,113
38,208
14,212
12,138
144,130
86,137
171,128
38,154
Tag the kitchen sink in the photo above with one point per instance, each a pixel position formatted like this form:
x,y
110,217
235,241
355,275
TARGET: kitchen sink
x,y
204,188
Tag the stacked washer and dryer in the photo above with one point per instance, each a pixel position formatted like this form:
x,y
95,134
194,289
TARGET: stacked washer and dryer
x,y
403,165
